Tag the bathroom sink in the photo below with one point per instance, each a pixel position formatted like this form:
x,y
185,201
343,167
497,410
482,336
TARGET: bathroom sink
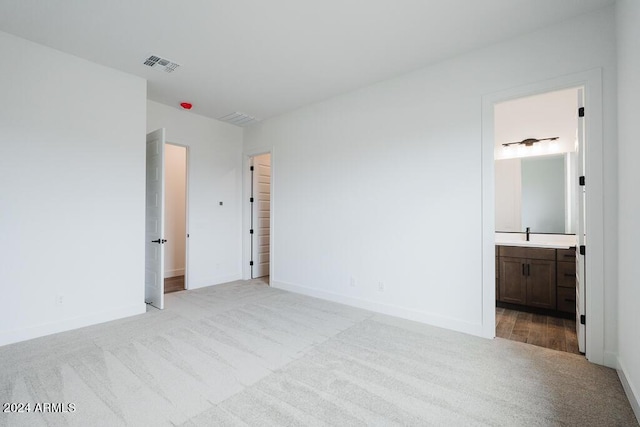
x,y
557,241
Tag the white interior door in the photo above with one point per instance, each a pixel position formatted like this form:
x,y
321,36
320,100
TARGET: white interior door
x,y
261,215
154,231
581,230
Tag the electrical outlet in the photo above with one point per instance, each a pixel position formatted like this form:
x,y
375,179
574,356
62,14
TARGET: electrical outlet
x,y
59,299
352,282
381,286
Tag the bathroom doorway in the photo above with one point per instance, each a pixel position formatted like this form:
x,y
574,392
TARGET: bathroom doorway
x,y
538,151
176,234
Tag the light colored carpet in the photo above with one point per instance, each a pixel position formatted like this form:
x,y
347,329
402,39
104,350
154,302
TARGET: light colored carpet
x,y
246,354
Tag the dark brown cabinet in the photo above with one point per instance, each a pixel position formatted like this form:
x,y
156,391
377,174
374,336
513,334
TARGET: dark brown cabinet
x,y
566,280
513,282
541,283
536,277
527,276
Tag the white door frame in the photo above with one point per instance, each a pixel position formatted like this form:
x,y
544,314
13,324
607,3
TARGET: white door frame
x,y
246,212
186,211
594,287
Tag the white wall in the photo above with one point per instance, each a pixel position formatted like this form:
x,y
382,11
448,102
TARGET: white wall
x,y
508,178
72,161
628,16
175,230
384,184
215,157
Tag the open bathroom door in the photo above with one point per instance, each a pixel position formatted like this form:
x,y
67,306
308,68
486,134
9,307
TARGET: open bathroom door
x,y
581,229
154,230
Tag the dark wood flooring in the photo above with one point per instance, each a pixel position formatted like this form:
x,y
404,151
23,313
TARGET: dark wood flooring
x,y
173,284
544,331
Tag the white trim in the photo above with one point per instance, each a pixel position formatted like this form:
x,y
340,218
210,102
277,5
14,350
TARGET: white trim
x,y
218,281
14,336
389,309
591,80
629,390
246,211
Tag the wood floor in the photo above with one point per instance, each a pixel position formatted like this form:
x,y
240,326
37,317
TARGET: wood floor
x,y
173,284
536,329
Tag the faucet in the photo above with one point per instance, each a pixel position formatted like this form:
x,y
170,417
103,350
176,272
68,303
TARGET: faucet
x,y
528,232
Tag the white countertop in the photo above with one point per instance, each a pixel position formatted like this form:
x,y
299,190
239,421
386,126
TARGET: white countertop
x,y
555,241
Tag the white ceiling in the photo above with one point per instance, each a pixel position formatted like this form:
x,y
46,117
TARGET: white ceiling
x,y
266,57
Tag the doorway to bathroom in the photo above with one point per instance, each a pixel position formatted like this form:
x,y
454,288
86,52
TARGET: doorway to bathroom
x,y
539,157
588,255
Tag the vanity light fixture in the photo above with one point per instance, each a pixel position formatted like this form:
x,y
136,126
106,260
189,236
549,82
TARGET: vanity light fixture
x,y
529,141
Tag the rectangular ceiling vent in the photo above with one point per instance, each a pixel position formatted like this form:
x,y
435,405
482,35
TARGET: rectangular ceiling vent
x,y
238,119
160,64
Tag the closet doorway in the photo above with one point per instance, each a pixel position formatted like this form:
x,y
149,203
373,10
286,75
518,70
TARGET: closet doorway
x,y
175,248
260,228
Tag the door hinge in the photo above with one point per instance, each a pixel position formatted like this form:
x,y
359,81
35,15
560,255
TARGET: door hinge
x,y
250,199
251,168
581,180
251,231
583,249
251,263
583,319
581,112
187,235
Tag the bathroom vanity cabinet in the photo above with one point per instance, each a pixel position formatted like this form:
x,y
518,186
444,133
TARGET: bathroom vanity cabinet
x,y
536,277
566,281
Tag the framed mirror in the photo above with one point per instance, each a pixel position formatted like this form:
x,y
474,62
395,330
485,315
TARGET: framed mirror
x,y
538,192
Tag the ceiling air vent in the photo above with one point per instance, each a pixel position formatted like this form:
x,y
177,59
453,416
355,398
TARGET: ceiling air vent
x,y
160,64
238,119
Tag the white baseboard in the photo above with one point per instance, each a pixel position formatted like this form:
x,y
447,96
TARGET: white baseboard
x,y
389,309
174,273
631,392
10,337
215,281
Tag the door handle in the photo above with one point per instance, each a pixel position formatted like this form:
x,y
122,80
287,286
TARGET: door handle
x,y
159,241
528,269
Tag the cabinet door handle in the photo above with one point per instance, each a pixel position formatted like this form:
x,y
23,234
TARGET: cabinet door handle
x,y
523,272
528,269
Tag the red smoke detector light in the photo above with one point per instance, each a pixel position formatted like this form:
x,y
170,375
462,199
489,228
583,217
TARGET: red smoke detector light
x,y
186,105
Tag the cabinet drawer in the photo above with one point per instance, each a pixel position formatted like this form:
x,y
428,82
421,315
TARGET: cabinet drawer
x,y
567,274
567,255
531,253
513,251
541,253
567,300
